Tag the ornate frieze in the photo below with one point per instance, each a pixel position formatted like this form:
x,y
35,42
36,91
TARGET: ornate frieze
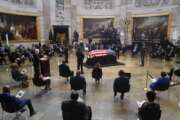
x,y
151,3
98,4
60,11
21,2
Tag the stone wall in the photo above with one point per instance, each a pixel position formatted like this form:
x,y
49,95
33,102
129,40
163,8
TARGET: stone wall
x,y
176,17
74,10
122,10
46,20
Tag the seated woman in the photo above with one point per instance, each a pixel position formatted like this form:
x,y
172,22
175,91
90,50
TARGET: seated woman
x,y
18,75
122,84
162,83
39,80
65,71
97,73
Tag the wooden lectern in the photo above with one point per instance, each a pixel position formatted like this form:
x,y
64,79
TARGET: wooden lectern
x,y
45,66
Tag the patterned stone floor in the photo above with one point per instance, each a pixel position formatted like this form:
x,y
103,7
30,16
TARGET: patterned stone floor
x,y
100,98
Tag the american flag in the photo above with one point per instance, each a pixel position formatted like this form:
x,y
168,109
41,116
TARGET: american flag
x,y
97,53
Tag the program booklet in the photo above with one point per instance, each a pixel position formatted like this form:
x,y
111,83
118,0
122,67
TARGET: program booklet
x,y
20,94
46,78
80,99
140,103
153,79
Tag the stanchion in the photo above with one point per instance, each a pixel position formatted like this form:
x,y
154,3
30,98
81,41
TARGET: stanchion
x,y
45,66
146,83
147,78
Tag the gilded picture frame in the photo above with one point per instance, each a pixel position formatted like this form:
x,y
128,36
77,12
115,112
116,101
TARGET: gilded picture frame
x,y
19,27
95,22
131,24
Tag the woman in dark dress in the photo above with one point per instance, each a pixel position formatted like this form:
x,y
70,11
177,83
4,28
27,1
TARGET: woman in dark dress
x,y
97,73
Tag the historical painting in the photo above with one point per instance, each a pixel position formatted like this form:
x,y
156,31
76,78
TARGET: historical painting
x,y
17,27
97,27
151,28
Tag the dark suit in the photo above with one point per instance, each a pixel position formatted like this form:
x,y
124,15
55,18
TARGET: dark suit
x,y
75,36
13,104
121,84
38,81
97,73
66,54
65,71
142,56
177,72
78,83
80,58
36,63
18,76
73,110
149,111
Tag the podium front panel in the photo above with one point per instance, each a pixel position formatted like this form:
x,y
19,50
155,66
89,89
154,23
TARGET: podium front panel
x,y
45,66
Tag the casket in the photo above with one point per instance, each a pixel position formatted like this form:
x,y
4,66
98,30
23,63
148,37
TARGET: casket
x,y
104,57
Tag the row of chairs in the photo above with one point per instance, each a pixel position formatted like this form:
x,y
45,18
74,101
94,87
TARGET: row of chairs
x,y
5,107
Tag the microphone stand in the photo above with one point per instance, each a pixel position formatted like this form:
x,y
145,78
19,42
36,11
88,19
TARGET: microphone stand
x,y
146,83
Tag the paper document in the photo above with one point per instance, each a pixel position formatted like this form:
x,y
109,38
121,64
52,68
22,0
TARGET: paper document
x,y
140,103
46,78
23,71
153,79
80,99
20,94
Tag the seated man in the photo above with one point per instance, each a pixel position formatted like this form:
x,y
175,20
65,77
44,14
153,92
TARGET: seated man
x,y
75,110
13,104
64,70
17,75
162,83
177,72
78,82
121,84
97,73
20,59
149,110
39,80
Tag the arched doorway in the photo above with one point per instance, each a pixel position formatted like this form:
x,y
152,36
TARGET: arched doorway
x,y
61,33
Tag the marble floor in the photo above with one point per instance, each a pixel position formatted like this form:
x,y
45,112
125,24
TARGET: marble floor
x,y
100,98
